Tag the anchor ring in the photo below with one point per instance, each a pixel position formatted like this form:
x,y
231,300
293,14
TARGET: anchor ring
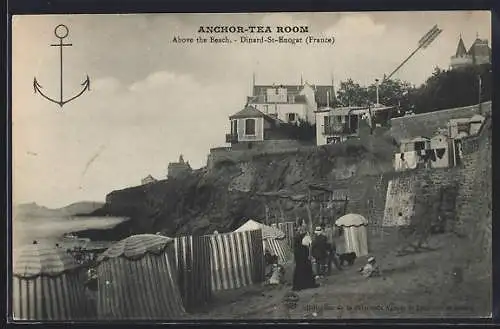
x,y
61,31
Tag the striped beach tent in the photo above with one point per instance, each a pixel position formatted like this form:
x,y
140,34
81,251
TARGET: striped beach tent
x,y
137,280
237,259
192,260
273,239
289,229
47,285
355,233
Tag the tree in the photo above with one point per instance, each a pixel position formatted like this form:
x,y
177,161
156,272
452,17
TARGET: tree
x,y
453,88
391,92
352,94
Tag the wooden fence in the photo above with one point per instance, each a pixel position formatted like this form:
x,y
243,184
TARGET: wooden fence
x,y
237,259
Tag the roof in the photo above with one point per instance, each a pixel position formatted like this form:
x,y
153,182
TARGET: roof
x,y
415,139
381,107
268,232
248,112
480,48
426,124
351,220
322,93
136,246
43,258
343,110
262,89
461,51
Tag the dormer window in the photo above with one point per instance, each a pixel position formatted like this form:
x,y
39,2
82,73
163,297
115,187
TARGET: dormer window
x,y
292,117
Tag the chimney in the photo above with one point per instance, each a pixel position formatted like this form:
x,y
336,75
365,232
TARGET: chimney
x,y
253,84
333,87
327,98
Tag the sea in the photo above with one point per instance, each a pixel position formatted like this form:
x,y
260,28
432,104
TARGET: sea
x,y
52,230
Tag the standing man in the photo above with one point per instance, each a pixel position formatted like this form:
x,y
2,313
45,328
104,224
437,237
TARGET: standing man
x,y
332,248
319,251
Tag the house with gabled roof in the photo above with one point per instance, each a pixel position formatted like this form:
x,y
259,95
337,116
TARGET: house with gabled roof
x,y
250,125
148,180
291,103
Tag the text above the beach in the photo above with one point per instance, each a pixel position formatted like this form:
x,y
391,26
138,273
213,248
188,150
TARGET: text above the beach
x,y
254,35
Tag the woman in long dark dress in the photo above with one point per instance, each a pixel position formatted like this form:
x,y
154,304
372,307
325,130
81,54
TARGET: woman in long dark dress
x,y
303,277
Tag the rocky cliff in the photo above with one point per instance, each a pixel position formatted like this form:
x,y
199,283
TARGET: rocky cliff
x,y
225,196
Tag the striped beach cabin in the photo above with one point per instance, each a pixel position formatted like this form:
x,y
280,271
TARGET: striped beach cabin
x,y
237,259
47,285
273,239
137,280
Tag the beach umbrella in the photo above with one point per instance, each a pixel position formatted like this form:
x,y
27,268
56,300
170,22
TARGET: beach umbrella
x,y
355,233
47,284
137,280
351,220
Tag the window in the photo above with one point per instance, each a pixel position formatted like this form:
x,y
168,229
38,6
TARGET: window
x,y
266,109
234,128
292,117
419,146
250,127
326,124
291,98
354,122
277,91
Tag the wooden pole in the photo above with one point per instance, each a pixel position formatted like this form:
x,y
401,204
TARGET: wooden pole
x,y
282,212
267,213
308,208
321,212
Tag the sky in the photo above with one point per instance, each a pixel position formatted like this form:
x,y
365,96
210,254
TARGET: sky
x,y
152,99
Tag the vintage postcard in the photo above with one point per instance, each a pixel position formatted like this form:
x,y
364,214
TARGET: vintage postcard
x,y
259,166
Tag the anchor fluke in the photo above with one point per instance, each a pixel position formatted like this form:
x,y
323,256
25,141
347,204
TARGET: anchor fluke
x,y
38,88
86,83
86,87
36,85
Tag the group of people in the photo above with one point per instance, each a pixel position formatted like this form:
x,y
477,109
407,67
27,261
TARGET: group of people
x,y
81,255
321,248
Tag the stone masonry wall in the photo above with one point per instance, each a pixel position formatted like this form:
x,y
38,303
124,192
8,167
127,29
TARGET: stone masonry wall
x,y
474,201
406,191
228,154
426,124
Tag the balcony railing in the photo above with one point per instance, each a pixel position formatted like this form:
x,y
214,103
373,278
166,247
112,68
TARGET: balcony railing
x,y
232,138
344,130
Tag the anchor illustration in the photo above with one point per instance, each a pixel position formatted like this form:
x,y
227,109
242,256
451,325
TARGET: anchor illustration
x,y
61,32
